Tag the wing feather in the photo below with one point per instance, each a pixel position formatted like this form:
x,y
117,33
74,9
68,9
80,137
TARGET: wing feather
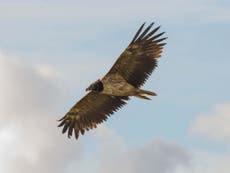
x,y
138,32
91,110
139,59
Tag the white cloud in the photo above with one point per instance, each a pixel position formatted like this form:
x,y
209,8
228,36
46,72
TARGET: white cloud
x,y
46,70
165,157
113,155
157,156
214,125
30,140
206,162
111,144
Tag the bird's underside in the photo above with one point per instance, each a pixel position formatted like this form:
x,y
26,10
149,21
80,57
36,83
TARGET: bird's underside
x,y
116,85
123,80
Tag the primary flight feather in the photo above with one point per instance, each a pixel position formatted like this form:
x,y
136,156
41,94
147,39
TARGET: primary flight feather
x,y
123,80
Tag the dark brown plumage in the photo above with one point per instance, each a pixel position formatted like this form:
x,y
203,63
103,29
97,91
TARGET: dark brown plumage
x,y
94,109
139,59
123,80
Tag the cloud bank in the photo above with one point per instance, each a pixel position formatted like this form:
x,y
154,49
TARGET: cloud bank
x,y
31,142
214,125
29,138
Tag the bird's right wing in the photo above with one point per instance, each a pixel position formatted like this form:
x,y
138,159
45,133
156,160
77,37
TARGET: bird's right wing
x,y
91,110
139,59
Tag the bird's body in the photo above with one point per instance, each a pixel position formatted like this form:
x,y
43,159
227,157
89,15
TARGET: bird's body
x,y
116,85
123,80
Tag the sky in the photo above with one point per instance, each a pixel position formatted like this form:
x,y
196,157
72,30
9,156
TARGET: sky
x,y
50,51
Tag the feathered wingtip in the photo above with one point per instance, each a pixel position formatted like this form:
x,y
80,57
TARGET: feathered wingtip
x,y
61,119
149,36
62,122
70,127
138,32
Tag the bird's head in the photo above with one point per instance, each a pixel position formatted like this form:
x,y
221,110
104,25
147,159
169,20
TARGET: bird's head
x,y
96,86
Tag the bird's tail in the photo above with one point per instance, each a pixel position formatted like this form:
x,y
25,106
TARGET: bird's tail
x,y
141,94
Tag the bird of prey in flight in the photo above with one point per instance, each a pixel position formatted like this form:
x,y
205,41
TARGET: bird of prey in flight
x,y
123,80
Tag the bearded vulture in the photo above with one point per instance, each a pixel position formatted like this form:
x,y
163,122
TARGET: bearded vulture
x,y
123,80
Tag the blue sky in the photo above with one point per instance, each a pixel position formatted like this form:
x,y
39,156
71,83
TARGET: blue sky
x,y
67,45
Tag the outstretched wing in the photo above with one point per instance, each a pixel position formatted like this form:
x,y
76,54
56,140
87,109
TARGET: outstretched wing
x,y
139,59
91,110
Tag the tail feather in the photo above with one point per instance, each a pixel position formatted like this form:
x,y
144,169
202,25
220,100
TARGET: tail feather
x,y
141,94
147,92
142,97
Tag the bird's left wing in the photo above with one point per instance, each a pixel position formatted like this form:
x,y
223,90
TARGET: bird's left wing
x,y
139,59
91,110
